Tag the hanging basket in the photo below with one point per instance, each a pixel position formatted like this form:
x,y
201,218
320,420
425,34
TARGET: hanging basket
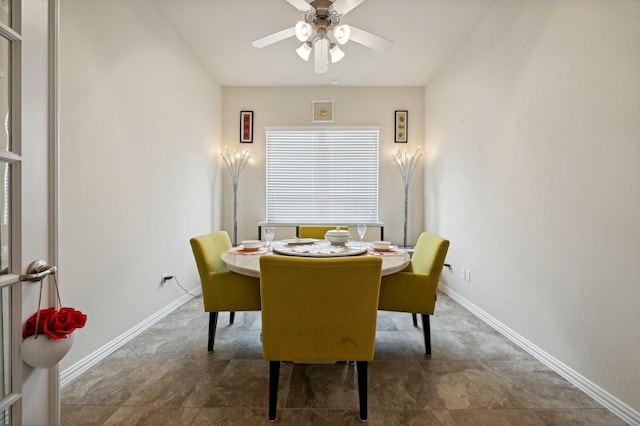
x,y
48,334
40,351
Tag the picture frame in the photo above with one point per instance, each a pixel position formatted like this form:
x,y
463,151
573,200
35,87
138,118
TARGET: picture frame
x,y
401,126
322,111
246,126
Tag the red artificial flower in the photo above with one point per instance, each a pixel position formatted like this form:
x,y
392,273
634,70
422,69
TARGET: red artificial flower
x,y
55,324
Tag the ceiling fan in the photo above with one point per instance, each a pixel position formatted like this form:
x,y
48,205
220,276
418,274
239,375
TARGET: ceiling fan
x,y
322,33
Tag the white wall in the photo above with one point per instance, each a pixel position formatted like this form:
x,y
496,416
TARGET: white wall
x,y
352,107
139,129
533,134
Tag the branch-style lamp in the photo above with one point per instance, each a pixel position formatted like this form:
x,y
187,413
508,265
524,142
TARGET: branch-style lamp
x,y
235,162
407,164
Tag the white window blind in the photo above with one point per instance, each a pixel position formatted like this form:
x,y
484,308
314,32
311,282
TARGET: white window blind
x,y
322,175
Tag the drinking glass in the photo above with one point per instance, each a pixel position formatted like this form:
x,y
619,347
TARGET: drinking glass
x,y
362,229
269,234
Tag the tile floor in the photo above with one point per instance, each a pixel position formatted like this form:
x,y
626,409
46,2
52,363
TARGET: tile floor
x,y
475,377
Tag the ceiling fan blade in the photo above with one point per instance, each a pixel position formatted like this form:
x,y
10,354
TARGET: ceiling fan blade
x,y
301,5
274,38
342,7
368,39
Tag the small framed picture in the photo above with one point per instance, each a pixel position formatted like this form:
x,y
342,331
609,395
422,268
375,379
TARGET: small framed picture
x,y
246,126
322,111
402,117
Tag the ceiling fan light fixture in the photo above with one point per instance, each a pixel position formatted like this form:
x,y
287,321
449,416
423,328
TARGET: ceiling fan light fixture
x,y
304,30
336,53
320,31
342,33
304,51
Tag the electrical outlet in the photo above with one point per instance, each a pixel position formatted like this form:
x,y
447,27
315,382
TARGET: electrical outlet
x,y
465,273
164,278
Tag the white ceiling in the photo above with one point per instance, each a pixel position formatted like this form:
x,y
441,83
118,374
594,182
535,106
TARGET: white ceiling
x,y
425,33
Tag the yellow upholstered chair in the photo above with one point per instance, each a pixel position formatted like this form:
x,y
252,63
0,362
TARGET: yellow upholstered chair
x,y
414,289
317,310
222,290
316,231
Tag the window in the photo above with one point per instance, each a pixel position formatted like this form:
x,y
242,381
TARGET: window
x,y
322,175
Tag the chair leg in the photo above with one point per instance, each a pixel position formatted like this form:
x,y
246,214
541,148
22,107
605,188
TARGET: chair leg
x,y
362,367
274,377
232,317
213,322
415,320
426,330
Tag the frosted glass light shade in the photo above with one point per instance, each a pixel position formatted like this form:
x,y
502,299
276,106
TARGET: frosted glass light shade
x,y
336,53
342,33
304,51
321,59
304,30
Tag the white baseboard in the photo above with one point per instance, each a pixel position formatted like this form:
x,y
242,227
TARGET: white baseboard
x,y
86,363
612,403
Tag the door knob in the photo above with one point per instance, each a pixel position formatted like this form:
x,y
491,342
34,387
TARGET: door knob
x,y
37,270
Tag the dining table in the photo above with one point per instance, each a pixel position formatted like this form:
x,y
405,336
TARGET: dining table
x,y
247,262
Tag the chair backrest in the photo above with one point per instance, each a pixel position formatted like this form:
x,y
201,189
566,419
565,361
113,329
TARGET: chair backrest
x,y
319,309
208,249
316,231
429,254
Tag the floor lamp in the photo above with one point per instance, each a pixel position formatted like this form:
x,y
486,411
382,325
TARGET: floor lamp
x,y
407,164
235,162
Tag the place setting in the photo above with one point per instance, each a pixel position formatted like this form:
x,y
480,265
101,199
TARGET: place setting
x,y
249,247
384,248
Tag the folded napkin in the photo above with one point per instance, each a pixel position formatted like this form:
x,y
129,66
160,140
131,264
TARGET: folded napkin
x,y
240,250
393,250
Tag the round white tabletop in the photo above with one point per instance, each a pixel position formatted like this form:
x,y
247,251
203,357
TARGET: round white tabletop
x,y
248,263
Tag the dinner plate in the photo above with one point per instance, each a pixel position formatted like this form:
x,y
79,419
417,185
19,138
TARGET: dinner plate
x,y
299,241
243,248
383,249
